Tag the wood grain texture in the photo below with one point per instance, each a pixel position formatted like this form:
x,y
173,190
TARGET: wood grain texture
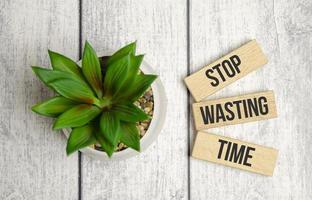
x,y
235,153
284,31
160,30
33,162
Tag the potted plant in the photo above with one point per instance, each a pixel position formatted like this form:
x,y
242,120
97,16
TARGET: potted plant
x,y
108,105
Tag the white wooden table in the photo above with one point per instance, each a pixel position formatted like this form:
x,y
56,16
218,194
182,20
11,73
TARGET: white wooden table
x,y
178,37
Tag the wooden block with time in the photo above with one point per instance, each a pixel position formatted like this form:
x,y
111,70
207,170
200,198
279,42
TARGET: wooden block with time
x,y
234,110
235,153
225,70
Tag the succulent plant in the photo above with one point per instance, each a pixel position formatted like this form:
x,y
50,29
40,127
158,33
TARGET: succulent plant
x,y
96,102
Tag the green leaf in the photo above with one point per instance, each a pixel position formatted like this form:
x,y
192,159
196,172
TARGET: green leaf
x,y
74,90
129,113
66,84
47,75
91,69
77,116
53,106
80,137
135,62
62,63
138,87
108,147
128,49
109,125
115,76
130,135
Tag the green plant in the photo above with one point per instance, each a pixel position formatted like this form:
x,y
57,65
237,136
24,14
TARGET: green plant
x,y
97,104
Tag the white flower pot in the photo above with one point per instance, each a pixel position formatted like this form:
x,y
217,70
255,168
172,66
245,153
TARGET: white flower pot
x,y
159,115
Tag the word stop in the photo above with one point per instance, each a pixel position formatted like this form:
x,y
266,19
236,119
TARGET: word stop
x,y
225,70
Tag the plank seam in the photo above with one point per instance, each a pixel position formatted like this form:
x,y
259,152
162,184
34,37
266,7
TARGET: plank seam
x,y
188,99
80,56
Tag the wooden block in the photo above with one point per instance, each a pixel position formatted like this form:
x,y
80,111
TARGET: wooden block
x,y
234,110
235,153
225,70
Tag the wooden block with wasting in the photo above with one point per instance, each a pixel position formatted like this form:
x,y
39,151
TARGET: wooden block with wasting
x,y
234,110
225,70
235,153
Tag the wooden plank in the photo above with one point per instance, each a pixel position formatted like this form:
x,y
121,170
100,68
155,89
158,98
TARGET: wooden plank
x,y
234,110
225,70
33,161
235,153
160,30
284,31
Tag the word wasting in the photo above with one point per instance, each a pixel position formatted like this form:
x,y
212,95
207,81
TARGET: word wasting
x,y
234,110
